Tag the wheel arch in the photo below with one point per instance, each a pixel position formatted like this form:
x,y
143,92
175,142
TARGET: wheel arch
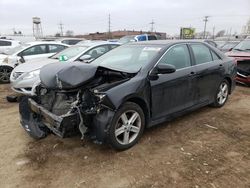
x,y
227,78
143,105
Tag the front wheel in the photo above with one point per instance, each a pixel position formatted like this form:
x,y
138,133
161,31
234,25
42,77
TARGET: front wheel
x,y
126,127
221,95
5,72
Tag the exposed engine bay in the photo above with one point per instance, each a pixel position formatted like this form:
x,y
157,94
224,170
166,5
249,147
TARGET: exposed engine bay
x,y
65,106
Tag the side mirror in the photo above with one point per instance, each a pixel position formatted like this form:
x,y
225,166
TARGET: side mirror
x,y
165,68
85,58
161,69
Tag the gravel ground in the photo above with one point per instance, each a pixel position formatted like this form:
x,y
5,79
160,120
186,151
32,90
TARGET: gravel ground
x,y
207,148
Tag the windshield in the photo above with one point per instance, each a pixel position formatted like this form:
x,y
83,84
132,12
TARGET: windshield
x,y
126,39
243,46
11,51
128,58
229,45
70,52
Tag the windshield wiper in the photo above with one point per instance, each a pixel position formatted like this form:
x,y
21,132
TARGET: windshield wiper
x,y
238,49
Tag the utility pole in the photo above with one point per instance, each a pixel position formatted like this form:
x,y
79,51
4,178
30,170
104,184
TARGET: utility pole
x,y
152,26
205,26
109,28
61,28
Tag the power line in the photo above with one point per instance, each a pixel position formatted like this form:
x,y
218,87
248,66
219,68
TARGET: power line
x,y
205,26
152,25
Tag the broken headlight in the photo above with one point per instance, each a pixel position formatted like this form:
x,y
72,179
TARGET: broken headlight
x,y
100,96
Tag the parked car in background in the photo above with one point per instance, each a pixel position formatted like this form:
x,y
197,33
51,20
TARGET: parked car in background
x,y
20,54
241,53
71,41
137,38
220,43
6,44
134,86
25,77
228,46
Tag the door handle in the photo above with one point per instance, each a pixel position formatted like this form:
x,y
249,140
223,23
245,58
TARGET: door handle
x,y
192,73
220,65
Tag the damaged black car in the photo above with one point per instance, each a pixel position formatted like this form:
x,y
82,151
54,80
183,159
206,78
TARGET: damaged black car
x,y
135,86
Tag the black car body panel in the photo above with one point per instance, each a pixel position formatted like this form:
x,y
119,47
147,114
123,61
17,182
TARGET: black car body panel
x,y
92,100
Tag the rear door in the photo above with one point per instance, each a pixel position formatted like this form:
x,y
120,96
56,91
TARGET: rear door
x,y
173,92
54,48
209,71
33,52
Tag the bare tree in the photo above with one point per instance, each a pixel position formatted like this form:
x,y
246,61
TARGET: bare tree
x,y
69,33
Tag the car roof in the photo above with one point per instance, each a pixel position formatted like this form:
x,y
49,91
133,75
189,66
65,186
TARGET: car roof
x,y
9,40
95,43
164,42
45,42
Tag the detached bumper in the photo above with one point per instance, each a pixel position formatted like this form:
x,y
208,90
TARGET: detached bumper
x,y
60,125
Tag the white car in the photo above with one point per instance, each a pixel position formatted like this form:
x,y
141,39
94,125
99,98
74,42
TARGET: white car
x,y
33,50
6,44
25,77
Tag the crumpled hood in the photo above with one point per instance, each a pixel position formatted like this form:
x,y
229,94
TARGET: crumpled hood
x,y
67,76
34,64
238,54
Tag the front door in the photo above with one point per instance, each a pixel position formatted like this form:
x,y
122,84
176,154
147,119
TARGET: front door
x,y
173,92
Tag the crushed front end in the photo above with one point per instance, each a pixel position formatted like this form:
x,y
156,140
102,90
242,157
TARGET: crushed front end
x,y
243,70
66,110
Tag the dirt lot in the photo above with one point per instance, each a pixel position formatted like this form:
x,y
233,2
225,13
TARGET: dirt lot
x,y
186,152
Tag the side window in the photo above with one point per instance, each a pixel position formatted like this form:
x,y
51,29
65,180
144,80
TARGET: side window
x,y
98,51
5,43
177,56
73,42
65,41
201,53
214,55
141,37
35,50
112,46
53,48
152,37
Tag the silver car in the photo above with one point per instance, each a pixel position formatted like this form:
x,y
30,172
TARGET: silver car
x,y
25,77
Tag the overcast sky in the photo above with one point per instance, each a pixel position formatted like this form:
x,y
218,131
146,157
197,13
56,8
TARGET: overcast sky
x,y
83,16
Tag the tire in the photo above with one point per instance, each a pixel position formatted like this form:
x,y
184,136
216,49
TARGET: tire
x,y
122,137
221,95
5,72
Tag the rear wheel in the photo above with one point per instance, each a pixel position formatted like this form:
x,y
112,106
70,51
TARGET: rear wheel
x,y
126,127
221,95
5,72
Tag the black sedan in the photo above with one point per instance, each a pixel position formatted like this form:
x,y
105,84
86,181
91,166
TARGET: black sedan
x,y
132,87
